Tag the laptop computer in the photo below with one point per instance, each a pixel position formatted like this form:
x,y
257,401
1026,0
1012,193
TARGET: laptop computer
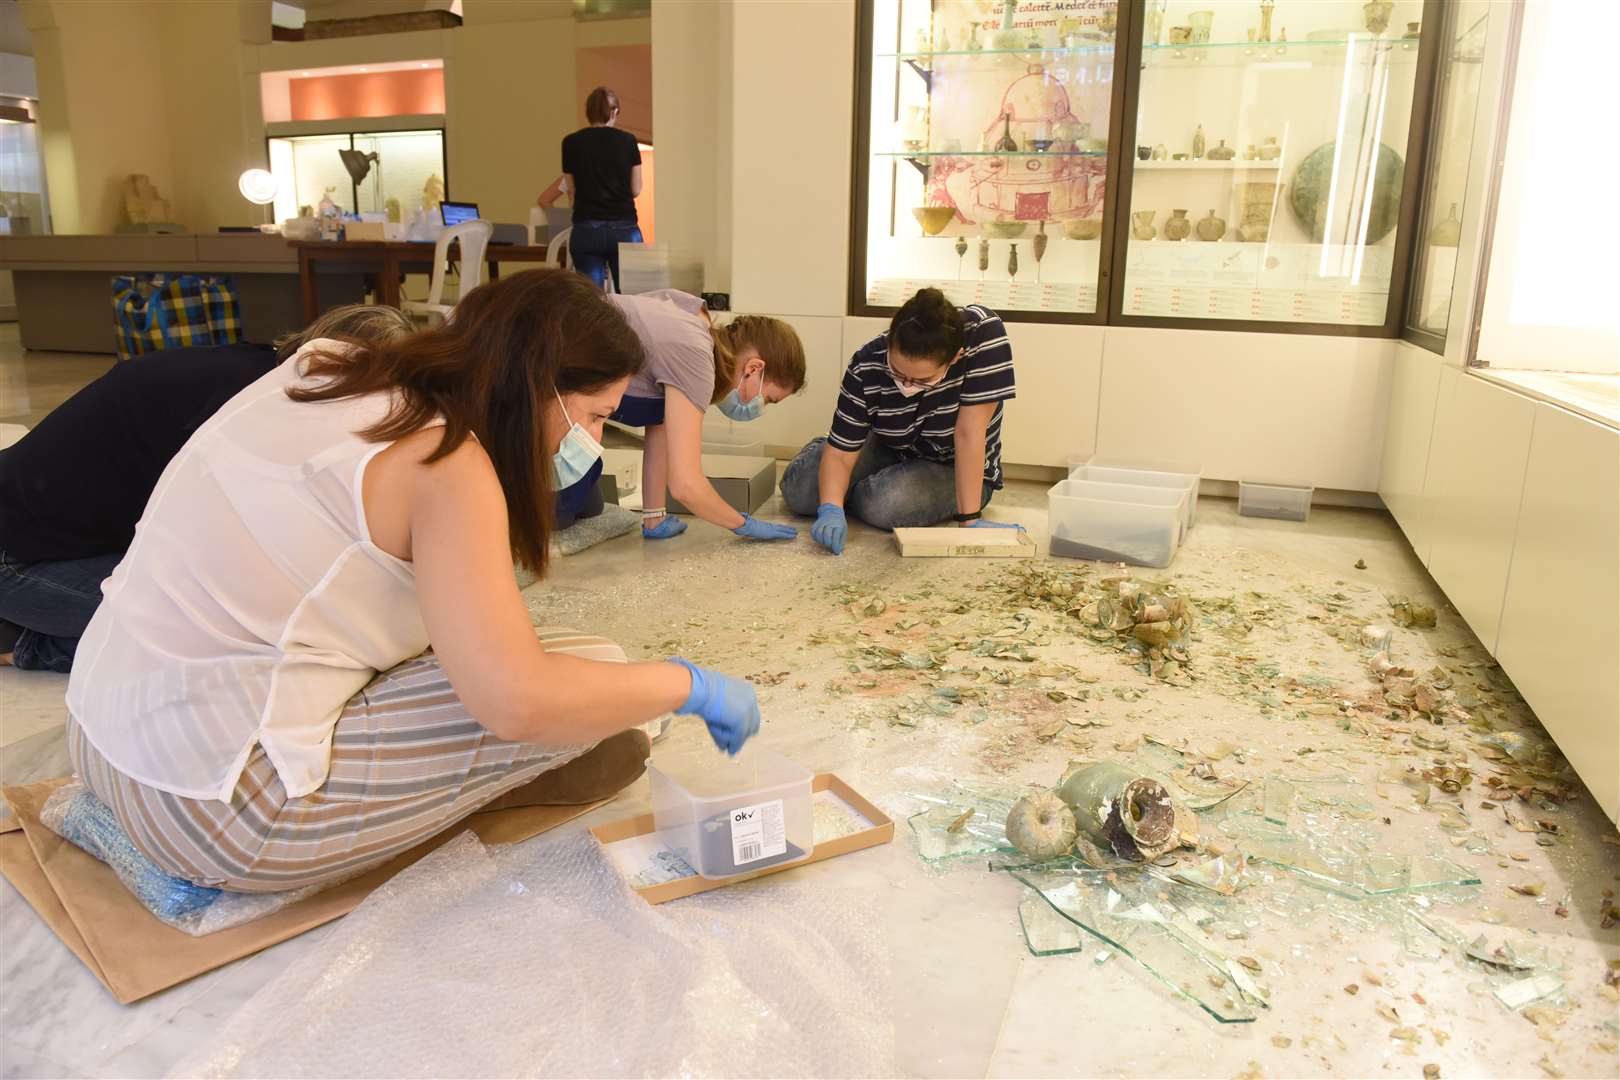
x,y
456,213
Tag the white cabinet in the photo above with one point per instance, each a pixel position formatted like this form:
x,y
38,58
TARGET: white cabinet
x,y
1407,439
1475,479
1560,636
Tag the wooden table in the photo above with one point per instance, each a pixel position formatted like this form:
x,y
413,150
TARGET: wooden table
x,y
389,258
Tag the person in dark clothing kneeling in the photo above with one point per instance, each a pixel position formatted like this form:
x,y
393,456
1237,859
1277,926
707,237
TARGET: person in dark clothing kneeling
x,y
916,434
73,489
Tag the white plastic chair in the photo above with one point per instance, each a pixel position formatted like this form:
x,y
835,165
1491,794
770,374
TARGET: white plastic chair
x,y
558,254
557,249
474,238
537,218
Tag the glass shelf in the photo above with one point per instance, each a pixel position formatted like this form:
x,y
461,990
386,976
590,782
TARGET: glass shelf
x,y
1215,54
990,153
1031,50
1234,165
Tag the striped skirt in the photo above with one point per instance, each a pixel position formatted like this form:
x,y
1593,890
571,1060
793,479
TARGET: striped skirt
x,y
407,762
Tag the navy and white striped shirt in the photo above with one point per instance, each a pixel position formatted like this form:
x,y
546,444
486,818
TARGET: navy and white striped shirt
x,y
924,425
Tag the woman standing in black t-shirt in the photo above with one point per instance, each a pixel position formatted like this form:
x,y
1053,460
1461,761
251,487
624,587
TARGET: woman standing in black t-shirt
x,y
603,169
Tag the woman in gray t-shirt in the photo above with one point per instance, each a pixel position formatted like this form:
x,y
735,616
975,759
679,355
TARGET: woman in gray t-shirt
x,y
740,366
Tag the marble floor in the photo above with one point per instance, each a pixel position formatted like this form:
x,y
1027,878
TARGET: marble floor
x,y
971,1000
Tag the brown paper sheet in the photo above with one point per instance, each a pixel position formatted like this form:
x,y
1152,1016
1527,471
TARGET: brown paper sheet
x,y
136,955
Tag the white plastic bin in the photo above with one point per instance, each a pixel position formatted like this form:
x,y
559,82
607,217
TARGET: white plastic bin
x,y
730,816
1121,474
1285,501
1126,523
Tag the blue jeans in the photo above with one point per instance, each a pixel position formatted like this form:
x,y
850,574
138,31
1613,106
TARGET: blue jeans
x,y
51,603
886,490
594,247
582,500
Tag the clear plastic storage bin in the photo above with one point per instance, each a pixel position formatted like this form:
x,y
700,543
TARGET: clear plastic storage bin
x,y
1284,501
1128,474
730,816
1125,523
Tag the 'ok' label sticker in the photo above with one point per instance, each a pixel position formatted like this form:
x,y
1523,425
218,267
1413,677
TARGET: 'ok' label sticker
x,y
757,832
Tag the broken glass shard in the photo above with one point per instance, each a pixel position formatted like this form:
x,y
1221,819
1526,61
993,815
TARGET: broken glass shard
x,y
1138,917
1045,931
1349,874
1278,800
1521,992
982,834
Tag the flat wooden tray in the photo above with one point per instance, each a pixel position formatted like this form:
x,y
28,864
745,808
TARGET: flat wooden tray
x,y
964,543
881,831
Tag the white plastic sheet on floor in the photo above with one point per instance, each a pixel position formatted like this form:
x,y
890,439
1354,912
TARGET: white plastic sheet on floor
x,y
537,960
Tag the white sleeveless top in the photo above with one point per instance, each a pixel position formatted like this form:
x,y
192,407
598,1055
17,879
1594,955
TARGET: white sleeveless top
x,y
252,605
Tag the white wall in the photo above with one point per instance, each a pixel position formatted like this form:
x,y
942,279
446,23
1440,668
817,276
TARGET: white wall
x,y
692,118
1292,408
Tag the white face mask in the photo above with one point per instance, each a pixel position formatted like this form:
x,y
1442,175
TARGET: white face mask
x,y
575,456
907,389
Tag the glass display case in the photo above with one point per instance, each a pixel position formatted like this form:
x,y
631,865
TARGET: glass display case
x,y
986,132
1236,164
1270,179
1450,149
309,166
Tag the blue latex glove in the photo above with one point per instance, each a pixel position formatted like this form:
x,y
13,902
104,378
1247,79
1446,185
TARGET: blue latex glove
x,y
727,705
981,523
755,529
831,528
668,527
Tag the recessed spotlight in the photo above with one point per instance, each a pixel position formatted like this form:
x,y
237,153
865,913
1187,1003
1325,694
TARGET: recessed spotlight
x,y
364,70
427,65
304,74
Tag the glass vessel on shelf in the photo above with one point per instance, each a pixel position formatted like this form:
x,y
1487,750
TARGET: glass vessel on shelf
x,y
1301,227
1012,151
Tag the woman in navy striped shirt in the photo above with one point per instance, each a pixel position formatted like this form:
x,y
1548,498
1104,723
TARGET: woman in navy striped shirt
x,y
916,435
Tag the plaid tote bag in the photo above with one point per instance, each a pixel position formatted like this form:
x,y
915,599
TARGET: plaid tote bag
x,y
168,311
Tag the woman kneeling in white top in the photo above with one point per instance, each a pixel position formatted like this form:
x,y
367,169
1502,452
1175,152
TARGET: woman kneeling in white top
x,y
256,698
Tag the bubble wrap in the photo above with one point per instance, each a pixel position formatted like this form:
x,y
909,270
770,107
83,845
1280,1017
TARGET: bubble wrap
x,y
75,814
537,960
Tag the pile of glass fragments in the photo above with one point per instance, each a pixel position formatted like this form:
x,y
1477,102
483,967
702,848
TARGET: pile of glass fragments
x,y
1293,847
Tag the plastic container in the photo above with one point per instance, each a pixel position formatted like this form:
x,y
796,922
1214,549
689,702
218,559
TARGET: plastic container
x,y
735,447
1125,523
1122,474
730,816
1283,501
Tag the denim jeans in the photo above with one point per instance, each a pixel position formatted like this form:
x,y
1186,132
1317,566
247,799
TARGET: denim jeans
x,y
886,490
594,247
582,500
52,603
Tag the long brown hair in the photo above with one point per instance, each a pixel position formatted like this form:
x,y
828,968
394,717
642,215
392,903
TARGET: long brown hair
x,y
776,342
489,372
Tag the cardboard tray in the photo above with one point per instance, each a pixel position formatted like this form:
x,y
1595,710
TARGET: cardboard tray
x,y
881,831
942,543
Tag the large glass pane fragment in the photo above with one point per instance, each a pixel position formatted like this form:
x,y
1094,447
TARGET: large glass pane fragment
x,y
987,149
1270,162
1160,927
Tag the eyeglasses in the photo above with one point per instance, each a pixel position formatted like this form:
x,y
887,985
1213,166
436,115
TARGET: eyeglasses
x,y
907,380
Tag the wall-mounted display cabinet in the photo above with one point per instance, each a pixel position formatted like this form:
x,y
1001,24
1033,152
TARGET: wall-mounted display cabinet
x,y
1238,164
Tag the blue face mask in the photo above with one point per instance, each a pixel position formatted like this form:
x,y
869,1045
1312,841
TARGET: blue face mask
x,y
576,455
735,408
